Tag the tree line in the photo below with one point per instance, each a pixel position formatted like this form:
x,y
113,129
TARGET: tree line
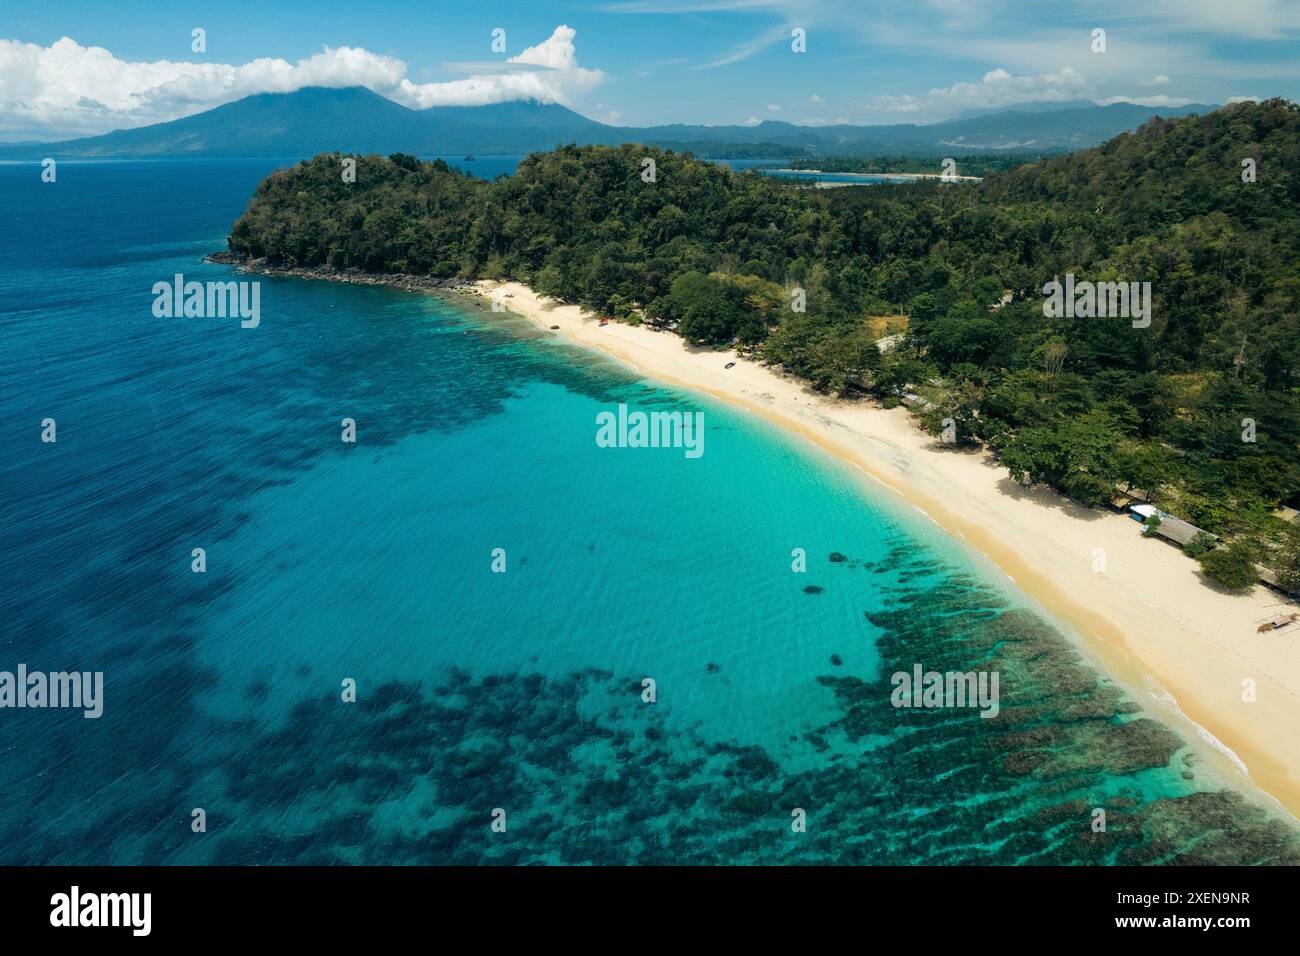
x,y
1198,413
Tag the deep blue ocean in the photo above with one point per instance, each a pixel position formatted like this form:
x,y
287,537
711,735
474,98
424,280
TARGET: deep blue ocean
x,y
476,691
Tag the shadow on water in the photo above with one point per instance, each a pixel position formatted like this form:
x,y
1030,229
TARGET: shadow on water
x,y
167,431
588,773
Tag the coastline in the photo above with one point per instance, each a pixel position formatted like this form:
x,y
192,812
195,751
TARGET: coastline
x,y
1180,647
1148,621
823,172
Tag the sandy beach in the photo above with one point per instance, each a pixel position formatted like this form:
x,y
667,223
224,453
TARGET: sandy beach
x,y
1183,649
822,172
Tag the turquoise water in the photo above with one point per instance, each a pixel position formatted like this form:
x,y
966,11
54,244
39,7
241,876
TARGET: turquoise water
x,y
476,690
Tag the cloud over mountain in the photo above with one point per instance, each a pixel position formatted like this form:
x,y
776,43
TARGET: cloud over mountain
x,y
67,89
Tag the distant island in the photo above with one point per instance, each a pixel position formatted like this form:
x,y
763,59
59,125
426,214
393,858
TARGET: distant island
x,y
356,120
920,294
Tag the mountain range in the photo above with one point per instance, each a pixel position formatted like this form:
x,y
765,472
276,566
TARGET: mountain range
x,y
357,120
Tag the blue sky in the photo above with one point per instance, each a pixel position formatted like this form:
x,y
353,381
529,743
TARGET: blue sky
x,y
639,62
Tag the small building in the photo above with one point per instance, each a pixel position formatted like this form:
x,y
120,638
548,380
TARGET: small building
x,y
1142,512
1180,532
1173,529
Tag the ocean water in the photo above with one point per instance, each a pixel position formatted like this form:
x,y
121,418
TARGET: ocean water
x,y
855,179
483,695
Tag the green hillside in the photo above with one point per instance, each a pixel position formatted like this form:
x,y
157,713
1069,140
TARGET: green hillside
x,y
354,119
1089,405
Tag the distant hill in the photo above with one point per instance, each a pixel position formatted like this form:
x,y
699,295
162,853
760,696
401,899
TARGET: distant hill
x,y
1038,106
316,120
1067,129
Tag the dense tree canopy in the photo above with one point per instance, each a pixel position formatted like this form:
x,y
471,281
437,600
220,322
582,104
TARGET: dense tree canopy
x,y
1200,411
978,164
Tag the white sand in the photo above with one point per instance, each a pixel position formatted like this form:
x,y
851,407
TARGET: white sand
x,y
1148,619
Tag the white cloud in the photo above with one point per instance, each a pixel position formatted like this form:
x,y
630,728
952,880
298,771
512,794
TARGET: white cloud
x,y
906,103
748,48
997,88
1000,88
67,89
548,72
1161,100
1254,19
606,114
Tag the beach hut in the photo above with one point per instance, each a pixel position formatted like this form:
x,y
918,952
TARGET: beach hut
x,y
1173,529
1142,512
1180,532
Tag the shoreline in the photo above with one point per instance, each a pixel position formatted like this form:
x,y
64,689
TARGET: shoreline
x,y
1179,647
392,280
823,172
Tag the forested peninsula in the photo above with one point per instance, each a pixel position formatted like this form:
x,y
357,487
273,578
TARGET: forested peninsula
x,y
930,292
